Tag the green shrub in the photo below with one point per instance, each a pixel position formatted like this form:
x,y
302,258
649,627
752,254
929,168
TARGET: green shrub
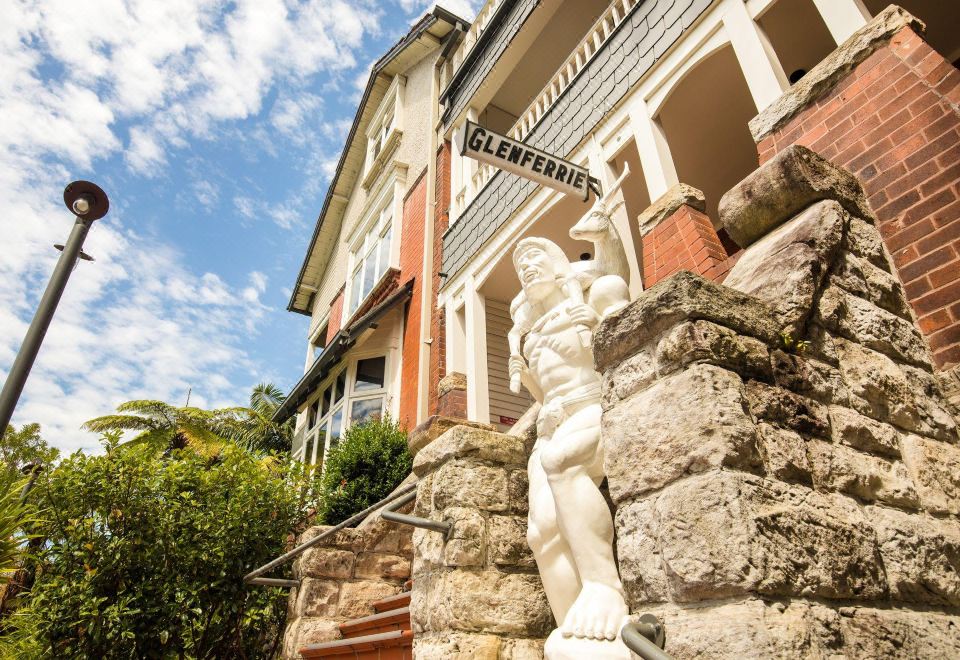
x,y
145,554
370,461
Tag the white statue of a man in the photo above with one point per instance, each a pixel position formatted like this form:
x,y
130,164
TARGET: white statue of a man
x,y
570,527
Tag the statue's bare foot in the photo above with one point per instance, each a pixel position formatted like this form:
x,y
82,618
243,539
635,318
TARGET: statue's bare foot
x,y
597,613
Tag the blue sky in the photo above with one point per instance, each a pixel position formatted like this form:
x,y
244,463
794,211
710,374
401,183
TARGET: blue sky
x,y
215,128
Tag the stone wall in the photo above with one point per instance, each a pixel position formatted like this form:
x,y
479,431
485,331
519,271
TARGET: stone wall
x,y
778,450
342,577
476,593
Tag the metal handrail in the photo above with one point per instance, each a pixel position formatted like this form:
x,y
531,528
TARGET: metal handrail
x,y
390,513
254,577
645,638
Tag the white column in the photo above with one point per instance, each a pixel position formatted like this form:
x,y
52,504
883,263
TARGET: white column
x,y
478,395
758,61
600,168
456,346
658,168
843,17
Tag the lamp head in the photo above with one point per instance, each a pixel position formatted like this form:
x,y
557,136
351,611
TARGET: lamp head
x,y
86,200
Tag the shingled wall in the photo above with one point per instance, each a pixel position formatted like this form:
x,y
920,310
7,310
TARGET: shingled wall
x,y
639,42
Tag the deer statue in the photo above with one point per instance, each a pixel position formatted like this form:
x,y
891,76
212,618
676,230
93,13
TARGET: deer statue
x,y
609,259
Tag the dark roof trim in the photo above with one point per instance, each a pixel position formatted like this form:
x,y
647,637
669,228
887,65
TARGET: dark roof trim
x,y
340,344
459,76
438,14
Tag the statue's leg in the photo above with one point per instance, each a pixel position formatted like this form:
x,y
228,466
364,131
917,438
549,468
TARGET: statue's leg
x,y
554,559
573,463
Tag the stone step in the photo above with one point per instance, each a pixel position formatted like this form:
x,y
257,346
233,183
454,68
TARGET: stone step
x,y
394,645
401,599
397,619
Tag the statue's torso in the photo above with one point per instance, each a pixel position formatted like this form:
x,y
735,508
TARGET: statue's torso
x,y
558,361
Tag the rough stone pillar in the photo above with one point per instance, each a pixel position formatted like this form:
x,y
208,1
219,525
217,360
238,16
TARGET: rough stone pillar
x,y
476,594
778,450
677,235
341,578
886,106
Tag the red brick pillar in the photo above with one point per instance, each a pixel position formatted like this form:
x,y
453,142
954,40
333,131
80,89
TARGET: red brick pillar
x,y
677,235
886,107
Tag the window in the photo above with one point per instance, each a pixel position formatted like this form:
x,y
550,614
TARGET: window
x,y
385,121
356,394
371,258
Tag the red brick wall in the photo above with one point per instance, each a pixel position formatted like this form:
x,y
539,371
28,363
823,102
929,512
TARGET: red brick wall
x,y
684,241
411,267
336,315
441,220
894,122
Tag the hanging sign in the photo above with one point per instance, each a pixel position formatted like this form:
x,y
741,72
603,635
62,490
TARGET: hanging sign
x,y
489,147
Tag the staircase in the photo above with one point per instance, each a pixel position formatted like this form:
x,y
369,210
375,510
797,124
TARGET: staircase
x,y
385,635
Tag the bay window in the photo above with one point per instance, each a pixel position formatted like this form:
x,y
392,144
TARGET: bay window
x,y
356,394
370,258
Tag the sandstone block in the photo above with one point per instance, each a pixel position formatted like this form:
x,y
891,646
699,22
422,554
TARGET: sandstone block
x,y
318,598
663,207
467,541
935,469
873,479
788,410
722,534
690,422
681,297
863,322
507,538
518,488
808,377
641,567
880,389
865,280
464,483
786,267
521,649
459,645
703,341
783,187
876,633
632,375
921,555
315,631
428,547
850,428
356,597
864,241
435,426
489,601
378,565
784,454
467,442
326,562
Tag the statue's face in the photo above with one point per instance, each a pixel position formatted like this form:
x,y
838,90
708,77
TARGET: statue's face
x,y
536,272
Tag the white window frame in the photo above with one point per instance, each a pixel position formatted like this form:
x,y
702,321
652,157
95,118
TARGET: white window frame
x,y
387,120
343,406
369,243
317,335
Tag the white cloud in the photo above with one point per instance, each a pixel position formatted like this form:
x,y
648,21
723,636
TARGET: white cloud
x,y
139,79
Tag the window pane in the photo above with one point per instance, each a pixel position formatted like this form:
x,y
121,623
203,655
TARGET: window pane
x,y
365,409
336,426
370,374
317,456
355,289
369,274
312,415
384,261
341,386
325,399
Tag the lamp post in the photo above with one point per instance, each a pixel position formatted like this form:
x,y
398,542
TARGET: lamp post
x,y
88,202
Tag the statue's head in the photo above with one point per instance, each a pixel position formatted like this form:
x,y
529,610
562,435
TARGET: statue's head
x,y
541,266
594,224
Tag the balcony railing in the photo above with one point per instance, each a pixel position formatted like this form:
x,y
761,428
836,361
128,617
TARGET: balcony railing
x,y
473,34
477,177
